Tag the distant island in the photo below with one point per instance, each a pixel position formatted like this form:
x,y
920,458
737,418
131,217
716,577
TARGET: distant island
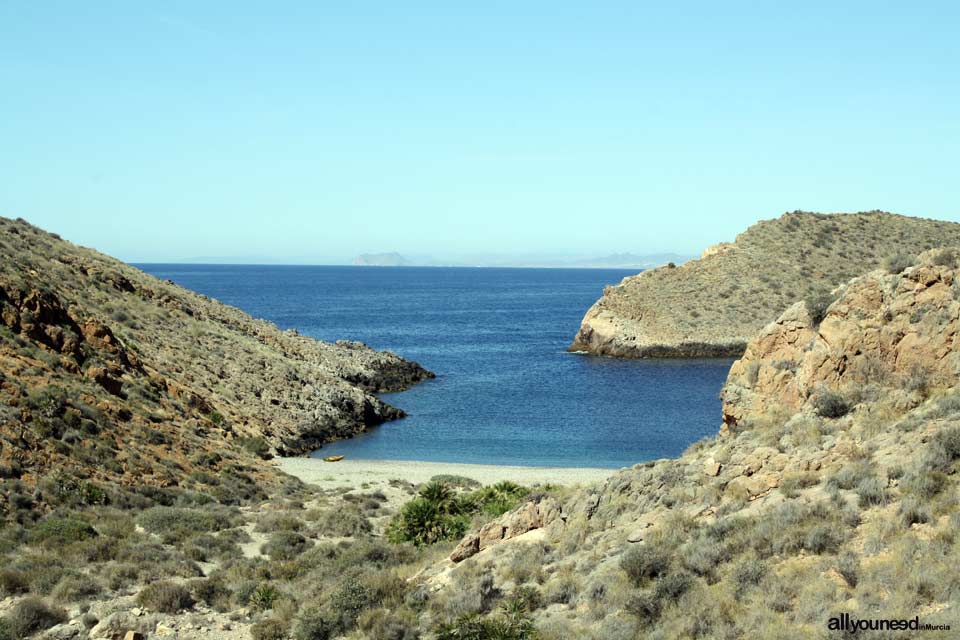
x,y
612,261
392,259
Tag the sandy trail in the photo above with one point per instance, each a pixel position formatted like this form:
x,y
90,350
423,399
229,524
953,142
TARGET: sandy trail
x,y
354,473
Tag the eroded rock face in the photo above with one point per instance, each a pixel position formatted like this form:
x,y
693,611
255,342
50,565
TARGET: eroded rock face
x,y
534,514
715,305
888,330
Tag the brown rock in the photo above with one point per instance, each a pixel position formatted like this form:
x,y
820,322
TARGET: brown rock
x,y
469,546
882,327
533,514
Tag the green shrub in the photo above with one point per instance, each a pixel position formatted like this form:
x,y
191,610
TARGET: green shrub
x,y
823,539
13,582
31,615
747,574
872,491
702,554
792,482
263,597
949,440
672,585
175,524
945,258
440,513
314,623
343,522
279,522
424,522
644,563
850,475
350,598
74,588
165,597
206,547
513,623
213,592
817,304
645,606
897,262
269,629
257,446
285,545
829,404
848,566
913,511
57,532
459,482
388,624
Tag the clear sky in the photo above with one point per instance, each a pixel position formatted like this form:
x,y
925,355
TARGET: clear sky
x,y
314,131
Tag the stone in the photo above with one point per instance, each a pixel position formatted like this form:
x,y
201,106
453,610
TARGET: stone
x,y
469,546
63,632
533,514
882,326
712,468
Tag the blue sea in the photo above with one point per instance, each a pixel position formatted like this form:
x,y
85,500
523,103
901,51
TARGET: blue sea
x,y
506,391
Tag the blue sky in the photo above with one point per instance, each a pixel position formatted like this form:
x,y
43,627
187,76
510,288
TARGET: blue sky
x,y
314,131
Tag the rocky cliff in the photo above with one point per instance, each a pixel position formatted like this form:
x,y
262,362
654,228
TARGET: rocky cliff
x,y
714,305
112,374
832,488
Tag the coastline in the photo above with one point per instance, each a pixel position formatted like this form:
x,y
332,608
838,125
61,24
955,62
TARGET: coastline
x,y
353,473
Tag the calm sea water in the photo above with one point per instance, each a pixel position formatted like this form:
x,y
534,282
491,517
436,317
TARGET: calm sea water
x,y
506,391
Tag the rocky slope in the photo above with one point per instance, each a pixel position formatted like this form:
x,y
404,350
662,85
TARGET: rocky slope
x,y
110,374
832,488
714,305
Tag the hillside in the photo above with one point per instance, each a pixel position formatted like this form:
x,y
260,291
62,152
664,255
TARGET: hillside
x,y
714,305
832,488
111,374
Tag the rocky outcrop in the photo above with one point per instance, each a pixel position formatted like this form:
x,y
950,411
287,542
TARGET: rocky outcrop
x,y
891,331
713,306
535,513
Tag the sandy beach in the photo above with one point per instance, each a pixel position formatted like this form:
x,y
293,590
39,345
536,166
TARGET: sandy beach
x,y
356,472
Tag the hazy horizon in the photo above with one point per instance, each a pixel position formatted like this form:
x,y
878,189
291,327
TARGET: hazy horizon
x,y
319,132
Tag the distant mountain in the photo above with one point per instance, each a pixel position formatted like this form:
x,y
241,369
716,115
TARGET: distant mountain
x,y
392,259
614,261
629,261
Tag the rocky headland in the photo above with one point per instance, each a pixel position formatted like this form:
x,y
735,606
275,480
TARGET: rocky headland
x,y
115,375
713,306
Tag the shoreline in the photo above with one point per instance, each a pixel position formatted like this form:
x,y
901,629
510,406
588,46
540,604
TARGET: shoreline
x,y
356,472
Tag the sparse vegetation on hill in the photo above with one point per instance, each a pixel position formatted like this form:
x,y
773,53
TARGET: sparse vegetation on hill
x,y
110,377
713,306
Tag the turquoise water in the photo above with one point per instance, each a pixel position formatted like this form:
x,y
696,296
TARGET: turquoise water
x,y
506,391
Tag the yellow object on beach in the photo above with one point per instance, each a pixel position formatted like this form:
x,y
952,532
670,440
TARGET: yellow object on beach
x,y
333,459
